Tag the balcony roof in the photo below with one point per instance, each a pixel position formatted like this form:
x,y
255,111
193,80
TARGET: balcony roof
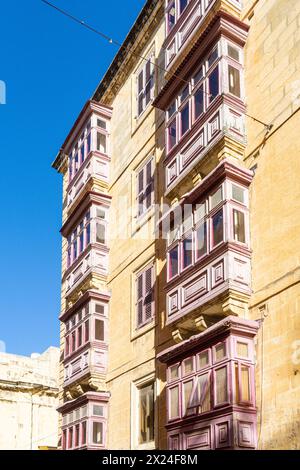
x,y
229,324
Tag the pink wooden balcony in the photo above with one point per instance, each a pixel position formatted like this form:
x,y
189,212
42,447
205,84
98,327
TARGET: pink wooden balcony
x,y
211,388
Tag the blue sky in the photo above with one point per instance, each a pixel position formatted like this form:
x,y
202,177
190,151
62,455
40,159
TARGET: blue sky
x,y
50,66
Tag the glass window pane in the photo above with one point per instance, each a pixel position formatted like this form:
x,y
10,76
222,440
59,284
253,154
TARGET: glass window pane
x,y
216,198
98,410
83,433
198,76
174,402
97,433
172,135
217,228
203,359
239,234
174,372
213,57
185,119
221,385
200,211
101,142
184,94
99,308
204,393
187,248
187,393
101,123
182,5
173,260
100,233
213,82
171,17
234,81
242,349
99,330
146,414
245,383
233,52
199,102
171,110
201,236
238,193
188,366
220,351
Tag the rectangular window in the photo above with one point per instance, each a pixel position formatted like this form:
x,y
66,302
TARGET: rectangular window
x,y
171,17
79,336
70,438
146,414
83,433
174,402
213,84
100,233
101,143
239,233
97,433
77,435
145,297
185,119
145,85
201,240
238,193
217,228
234,81
221,395
172,135
98,410
187,395
99,330
198,102
204,393
73,347
145,188
86,331
182,5
233,52
64,440
173,262
67,344
187,251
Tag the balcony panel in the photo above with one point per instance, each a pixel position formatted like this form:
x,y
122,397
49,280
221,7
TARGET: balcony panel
x,y
90,362
205,289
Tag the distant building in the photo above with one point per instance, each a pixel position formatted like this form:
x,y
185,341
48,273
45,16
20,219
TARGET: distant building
x,y
28,400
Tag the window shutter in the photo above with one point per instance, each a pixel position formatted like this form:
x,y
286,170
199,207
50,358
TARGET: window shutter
x,y
149,184
140,192
148,302
140,300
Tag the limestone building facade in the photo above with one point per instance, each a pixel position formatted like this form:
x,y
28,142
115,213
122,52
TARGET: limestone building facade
x,y
29,401
180,324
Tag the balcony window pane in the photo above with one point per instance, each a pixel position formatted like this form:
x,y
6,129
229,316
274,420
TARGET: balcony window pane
x,y
200,211
73,341
86,331
203,359
173,260
185,119
182,5
238,194
213,83
216,198
70,438
242,349
88,234
221,386
245,384
198,102
171,17
204,393
217,228
174,372
101,123
220,351
174,402
77,436
99,330
239,234
213,57
101,142
79,336
187,394
188,366
83,433
234,81
233,52
146,414
171,110
172,135
201,236
97,433
198,76
187,248
81,242
98,410
88,146
100,233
